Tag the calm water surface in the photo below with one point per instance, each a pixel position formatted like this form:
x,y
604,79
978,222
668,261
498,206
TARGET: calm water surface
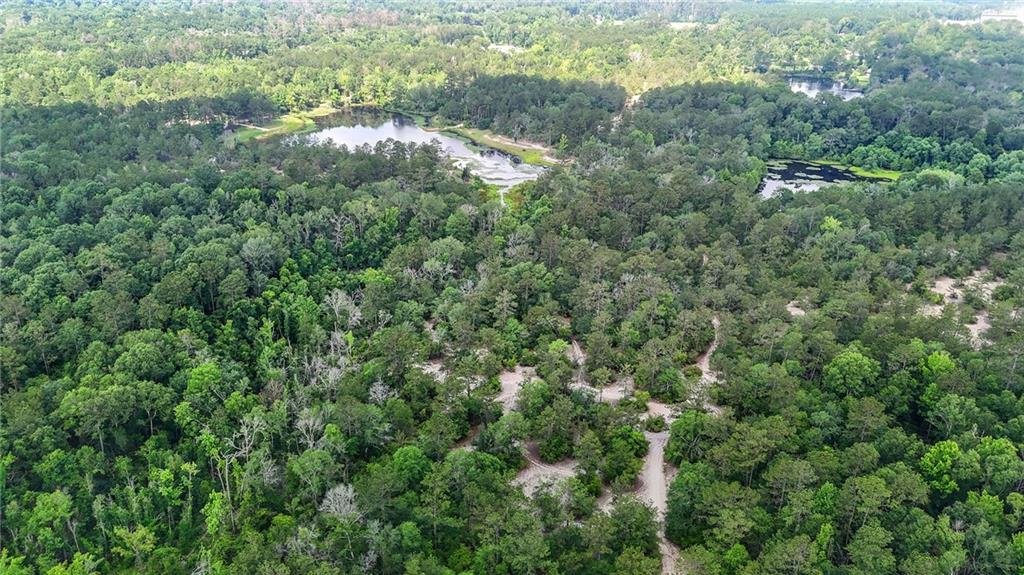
x,y
492,166
802,177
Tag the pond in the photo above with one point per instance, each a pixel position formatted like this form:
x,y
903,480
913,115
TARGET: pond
x,y
492,166
802,177
811,86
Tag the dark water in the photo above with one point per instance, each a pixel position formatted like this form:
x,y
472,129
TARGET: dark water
x,y
802,177
812,86
358,129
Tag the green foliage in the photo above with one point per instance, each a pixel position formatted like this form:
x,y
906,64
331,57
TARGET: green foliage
x,y
938,464
851,373
230,353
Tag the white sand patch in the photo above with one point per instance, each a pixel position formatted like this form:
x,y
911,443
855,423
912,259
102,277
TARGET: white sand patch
x,y
978,328
578,358
537,473
952,292
506,49
431,328
794,309
658,409
612,394
511,383
435,368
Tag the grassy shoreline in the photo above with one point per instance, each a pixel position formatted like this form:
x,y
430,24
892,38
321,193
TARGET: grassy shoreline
x,y
869,173
530,154
303,122
290,123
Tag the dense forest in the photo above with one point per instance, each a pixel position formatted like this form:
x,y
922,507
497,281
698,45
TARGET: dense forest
x,y
284,357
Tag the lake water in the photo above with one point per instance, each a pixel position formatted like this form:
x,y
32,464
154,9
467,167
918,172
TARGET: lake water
x,y
492,166
802,177
814,86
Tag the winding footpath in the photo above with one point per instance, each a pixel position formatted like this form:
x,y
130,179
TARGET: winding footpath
x,y
708,377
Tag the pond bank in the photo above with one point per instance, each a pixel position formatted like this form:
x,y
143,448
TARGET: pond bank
x,y
295,123
529,152
291,123
809,176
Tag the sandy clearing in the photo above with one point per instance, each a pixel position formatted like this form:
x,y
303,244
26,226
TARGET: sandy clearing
x,y
612,394
656,409
511,382
435,368
537,473
506,49
794,309
952,291
978,328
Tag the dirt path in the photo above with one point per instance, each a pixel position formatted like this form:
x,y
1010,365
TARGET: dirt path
x,y
253,127
536,472
611,394
578,358
708,377
653,483
655,475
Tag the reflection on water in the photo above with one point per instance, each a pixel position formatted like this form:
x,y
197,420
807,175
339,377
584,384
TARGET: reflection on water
x,y
814,86
491,166
802,177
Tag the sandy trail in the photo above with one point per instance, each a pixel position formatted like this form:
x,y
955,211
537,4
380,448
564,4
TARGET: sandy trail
x,y
626,106
536,472
578,358
431,328
653,484
611,394
708,377
655,475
